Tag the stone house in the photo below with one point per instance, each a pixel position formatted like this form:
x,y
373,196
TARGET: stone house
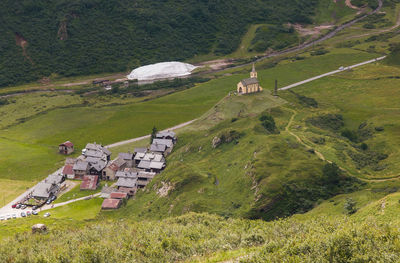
x,y
110,171
66,148
128,158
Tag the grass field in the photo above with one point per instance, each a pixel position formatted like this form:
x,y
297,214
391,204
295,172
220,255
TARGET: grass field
x,y
369,95
76,192
31,145
10,189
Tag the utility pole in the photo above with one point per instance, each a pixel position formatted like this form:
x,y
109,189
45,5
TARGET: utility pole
x,y
276,88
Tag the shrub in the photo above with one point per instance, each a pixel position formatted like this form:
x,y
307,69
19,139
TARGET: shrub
x,y
268,122
331,173
351,135
327,121
350,206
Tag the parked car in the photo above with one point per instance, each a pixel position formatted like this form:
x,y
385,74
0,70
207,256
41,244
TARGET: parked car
x,y
34,212
14,206
28,213
48,201
23,207
18,206
47,214
23,214
54,197
2,218
14,216
341,68
8,217
35,207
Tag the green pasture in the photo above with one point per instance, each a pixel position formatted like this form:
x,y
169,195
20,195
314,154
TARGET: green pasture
x,y
31,146
368,94
76,192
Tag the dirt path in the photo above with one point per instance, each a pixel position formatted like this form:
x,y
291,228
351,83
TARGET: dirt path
x,y
379,31
349,4
322,157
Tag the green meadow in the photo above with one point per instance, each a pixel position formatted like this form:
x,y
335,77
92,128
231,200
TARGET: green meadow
x,y
31,145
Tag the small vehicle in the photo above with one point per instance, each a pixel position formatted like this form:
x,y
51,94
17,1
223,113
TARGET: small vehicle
x,y
52,198
18,206
8,217
14,206
341,68
23,214
23,207
14,216
48,202
28,213
34,212
2,218
47,214
35,207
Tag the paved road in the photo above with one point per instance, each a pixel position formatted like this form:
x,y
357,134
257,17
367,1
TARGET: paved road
x,y
331,73
47,207
8,210
148,136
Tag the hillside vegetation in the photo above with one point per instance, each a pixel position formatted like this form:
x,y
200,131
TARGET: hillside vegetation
x,y
209,238
69,38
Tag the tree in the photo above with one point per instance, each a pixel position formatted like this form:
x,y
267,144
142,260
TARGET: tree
x,y
153,134
268,122
331,173
350,206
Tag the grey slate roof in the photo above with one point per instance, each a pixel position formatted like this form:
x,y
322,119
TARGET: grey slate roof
x,y
94,154
165,134
139,156
126,182
140,150
157,165
54,179
249,81
169,143
81,166
44,190
126,156
146,175
144,165
97,147
126,174
158,147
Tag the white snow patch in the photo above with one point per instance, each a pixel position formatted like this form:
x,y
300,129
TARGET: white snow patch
x,y
164,70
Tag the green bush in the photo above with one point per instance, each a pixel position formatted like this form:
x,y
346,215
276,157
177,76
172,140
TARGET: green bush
x,y
332,122
268,122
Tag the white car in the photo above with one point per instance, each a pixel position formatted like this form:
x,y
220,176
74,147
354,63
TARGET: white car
x,y
46,215
341,68
8,217
2,218
14,216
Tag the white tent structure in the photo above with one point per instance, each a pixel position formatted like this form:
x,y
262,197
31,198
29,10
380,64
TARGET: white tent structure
x,y
164,70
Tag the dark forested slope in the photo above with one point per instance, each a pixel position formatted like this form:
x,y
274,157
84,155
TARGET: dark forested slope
x,y
77,37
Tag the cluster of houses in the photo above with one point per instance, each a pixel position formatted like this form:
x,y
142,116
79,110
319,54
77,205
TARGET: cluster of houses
x,y
131,170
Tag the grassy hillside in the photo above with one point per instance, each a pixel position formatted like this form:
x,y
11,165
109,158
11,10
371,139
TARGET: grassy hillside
x,y
71,38
40,121
209,238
